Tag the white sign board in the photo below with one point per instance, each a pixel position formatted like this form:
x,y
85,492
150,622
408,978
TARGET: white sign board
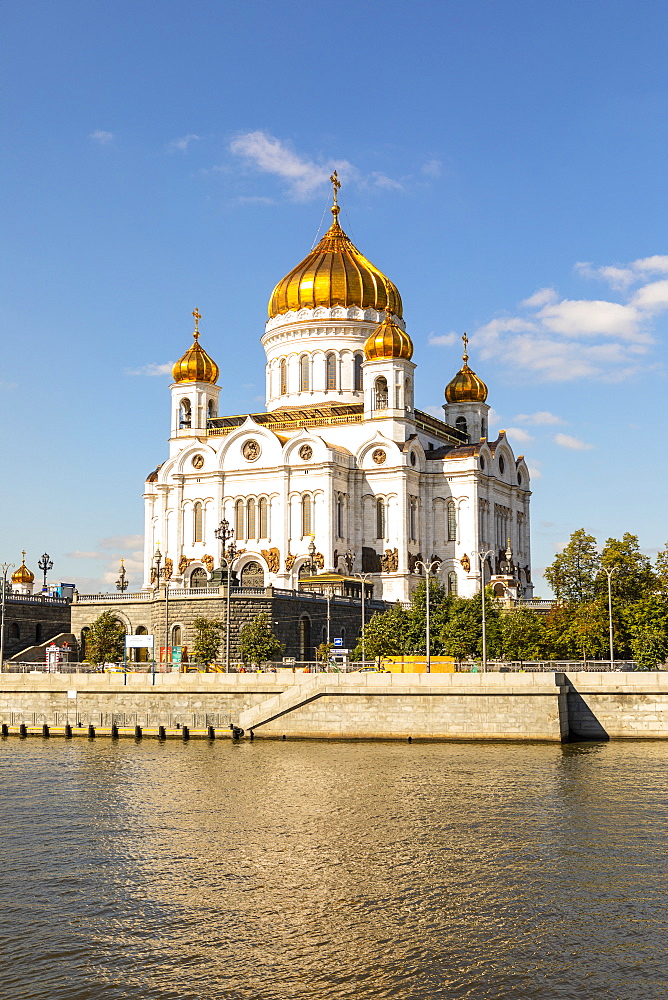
x,y
139,642
71,694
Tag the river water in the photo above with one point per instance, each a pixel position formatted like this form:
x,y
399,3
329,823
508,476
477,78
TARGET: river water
x,y
271,870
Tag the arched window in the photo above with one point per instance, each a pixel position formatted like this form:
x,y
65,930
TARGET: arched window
x,y
340,532
239,519
381,393
284,376
331,371
304,381
252,575
251,519
14,631
483,428
461,425
408,398
141,654
211,409
452,583
184,413
381,526
197,522
307,515
304,638
357,373
413,520
263,510
452,521
177,635
38,632
198,578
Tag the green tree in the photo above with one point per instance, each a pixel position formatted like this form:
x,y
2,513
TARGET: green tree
x,y
461,633
522,634
385,634
257,642
633,578
208,633
661,569
586,635
440,608
105,640
324,652
649,645
572,575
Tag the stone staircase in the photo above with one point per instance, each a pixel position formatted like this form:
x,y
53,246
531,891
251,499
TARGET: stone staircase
x,y
300,693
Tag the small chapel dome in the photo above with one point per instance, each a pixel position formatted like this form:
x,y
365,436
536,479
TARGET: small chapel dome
x,y
196,365
23,574
335,273
388,341
465,387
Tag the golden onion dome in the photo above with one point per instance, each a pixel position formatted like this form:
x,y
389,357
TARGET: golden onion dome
x,y
465,387
196,365
23,574
388,341
335,273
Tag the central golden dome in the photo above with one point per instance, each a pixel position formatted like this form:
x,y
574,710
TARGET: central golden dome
x,y
335,273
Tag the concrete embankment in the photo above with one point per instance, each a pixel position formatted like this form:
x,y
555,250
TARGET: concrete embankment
x,y
498,706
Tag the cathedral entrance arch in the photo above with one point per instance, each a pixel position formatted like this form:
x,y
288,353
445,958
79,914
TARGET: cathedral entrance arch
x,y
198,578
252,575
305,638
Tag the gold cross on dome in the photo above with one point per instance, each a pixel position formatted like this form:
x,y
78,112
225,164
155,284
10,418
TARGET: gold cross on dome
x,y
197,314
466,346
24,555
336,184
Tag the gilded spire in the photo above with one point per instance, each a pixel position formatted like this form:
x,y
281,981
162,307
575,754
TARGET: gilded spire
x,y
336,184
197,315
466,387
195,365
465,356
23,574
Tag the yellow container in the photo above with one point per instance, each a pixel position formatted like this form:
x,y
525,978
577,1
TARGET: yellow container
x,y
417,664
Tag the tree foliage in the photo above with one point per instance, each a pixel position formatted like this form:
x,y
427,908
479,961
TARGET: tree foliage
x,y
105,640
572,575
208,632
632,578
257,642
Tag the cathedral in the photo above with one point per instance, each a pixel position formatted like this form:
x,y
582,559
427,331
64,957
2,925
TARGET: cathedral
x,y
341,474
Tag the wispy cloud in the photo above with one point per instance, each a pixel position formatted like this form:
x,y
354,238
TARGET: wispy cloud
x,y
151,369
443,339
303,176
101,137
573,443
519,434
541,417
432,168
83,555
181,145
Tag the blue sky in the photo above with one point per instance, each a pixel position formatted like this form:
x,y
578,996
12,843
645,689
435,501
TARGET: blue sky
x,y
502,162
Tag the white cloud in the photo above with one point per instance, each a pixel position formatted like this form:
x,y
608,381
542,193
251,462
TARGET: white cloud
x,y
443,340
432,168
534,471
122,542
83,555
575,444
102,137
540,298
435,411
652,298
519,434
151,369
182,144
541,417
303,176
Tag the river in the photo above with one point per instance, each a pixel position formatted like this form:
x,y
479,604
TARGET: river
x,y
272,870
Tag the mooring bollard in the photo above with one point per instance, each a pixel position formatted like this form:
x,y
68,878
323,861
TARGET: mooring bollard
x,y
185,732
211,733
68,731
91,732
45,729
251,734
162,733
23,730
5,729
137,732
114,731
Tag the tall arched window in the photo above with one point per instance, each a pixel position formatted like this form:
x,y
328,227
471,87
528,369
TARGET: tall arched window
x,y
211,409
452,583
304,382
177,635
284,376
15,631
412,510
381,393
340,531
461,425
304,638
408,397
197,522
452,521
357,373
307,515
251,519
331,371
184,413
381,526
263,511
239,519
141,654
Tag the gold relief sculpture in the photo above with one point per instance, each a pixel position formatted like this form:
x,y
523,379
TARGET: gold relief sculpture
x,y
198,461
378,456
319,560
184,562
306,452
289,561
389,563
272,557
169,568
153,574
465,562
251,451
209,563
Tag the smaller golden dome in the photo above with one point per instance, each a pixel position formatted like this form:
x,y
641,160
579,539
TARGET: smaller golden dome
x,y
465,387
196,365
23,574
388,341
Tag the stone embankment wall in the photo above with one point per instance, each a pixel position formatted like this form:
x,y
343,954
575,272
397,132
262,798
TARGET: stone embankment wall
x,y
540,706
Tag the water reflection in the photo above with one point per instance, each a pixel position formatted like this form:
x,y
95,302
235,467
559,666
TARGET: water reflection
x,y
298,870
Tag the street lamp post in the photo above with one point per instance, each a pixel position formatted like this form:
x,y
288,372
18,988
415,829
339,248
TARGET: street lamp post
x,y
482,558
363,577
157,561
311,556
122,583
45,564
224,534
608,573
6,566
428,569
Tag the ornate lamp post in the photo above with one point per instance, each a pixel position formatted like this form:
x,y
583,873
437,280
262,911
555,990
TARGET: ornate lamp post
x,y
5,566
45,564
363,577
224,534
122,583
608,573
482,559
157,560
311,556
428,569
